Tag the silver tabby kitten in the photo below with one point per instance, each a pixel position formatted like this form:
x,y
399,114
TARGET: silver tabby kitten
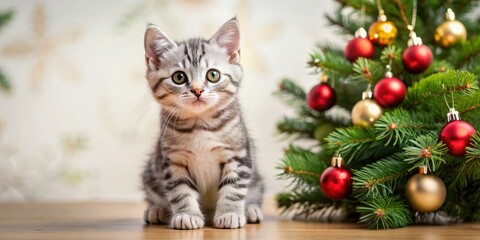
x,y
203,169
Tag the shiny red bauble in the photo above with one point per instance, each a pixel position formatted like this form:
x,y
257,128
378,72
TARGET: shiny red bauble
x,y
336,182
389,92
321,97
456,135
359,47
417,59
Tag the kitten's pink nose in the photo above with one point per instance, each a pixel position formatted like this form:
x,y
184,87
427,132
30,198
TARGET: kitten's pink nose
x,y
197,91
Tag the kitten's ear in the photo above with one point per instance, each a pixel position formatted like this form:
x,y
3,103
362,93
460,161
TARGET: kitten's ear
x,y
156,43
228,37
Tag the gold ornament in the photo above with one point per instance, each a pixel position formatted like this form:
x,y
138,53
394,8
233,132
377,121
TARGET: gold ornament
x,y
426,193
382,32
366,111
450,31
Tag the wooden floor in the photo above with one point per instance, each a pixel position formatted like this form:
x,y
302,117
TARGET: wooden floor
x,y
124,221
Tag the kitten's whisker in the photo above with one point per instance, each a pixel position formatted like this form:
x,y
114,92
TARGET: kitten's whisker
x,y
175,123
167,120
186,98
164,125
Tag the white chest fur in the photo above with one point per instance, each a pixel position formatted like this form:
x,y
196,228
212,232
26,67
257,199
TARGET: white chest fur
x,y
204,164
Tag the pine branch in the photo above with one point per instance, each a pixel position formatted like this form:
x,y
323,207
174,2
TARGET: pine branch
x,y
4,84
472,165
329,47
300,128
303,201
345,23
468,106
462,7
356,144
399,126
464,204
5,17
425,150
351,91
473,66
430,90
292,90
301,166
438,67
381,177
340,81
348,140
394,54
368,70
293,95
476,70
384,212
470,49
332,62
454,175
370,6
470,24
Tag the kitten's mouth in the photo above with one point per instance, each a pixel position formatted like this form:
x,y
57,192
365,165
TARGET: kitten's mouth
x,y
198,101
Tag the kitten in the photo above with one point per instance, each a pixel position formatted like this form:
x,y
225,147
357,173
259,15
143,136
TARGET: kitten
x,y
203,169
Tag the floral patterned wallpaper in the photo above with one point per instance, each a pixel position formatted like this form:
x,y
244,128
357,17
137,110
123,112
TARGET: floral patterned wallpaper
x,y
79,121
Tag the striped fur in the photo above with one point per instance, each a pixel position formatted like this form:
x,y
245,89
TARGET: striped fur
x,y
203,168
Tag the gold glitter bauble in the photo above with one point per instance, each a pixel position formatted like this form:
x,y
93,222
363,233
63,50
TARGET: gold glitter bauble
x,y
450,31
425,193
366,112
382,32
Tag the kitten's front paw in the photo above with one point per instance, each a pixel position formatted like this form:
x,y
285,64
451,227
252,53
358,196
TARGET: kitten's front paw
x,y
254,214
156,215
186,221
230,220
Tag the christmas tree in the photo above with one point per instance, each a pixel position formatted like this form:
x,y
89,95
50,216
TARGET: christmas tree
x,y
380,139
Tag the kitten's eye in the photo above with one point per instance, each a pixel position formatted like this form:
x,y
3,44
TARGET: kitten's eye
x,y
179,77
213,75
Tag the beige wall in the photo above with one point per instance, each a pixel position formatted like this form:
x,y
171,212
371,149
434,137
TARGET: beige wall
x,y
80,122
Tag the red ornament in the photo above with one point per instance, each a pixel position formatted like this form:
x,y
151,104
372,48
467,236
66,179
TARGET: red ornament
x,y
321,97
417,58
389,92
456,134
336,181
360,46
